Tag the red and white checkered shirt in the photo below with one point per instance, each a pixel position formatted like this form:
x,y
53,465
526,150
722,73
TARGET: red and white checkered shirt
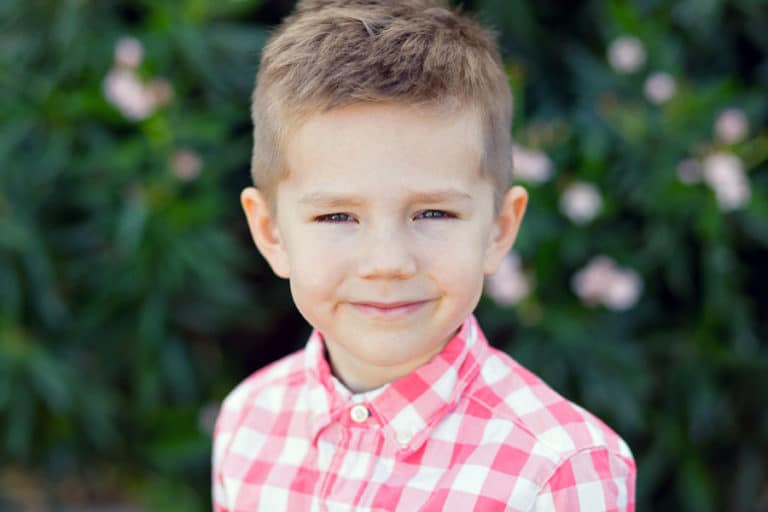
x,y
470,430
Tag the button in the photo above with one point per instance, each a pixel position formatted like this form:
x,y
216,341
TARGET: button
x,y
359,413
404,437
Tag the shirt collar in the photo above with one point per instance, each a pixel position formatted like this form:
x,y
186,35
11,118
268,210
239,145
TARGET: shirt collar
x,y
409,407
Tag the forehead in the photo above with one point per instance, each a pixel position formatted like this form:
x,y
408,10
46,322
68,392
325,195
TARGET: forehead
x,y
418,146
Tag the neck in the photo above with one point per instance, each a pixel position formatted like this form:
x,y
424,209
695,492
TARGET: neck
x,y
360,377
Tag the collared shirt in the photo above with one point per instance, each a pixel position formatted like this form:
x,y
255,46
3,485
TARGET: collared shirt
x,y
470,430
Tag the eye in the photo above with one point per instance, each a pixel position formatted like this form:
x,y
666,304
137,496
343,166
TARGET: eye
x,y
435,214
334,218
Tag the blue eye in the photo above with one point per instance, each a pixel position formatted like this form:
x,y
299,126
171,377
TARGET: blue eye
x,y
334,218
434,214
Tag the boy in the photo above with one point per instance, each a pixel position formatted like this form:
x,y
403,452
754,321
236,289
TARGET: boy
x,y
382,170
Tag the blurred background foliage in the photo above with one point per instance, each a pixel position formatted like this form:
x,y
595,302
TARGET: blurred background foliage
x,y
132,300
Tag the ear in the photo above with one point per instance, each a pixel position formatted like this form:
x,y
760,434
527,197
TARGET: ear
x,y
505,228
264,230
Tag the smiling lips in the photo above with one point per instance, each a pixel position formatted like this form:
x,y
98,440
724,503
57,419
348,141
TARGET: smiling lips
x,y
389,309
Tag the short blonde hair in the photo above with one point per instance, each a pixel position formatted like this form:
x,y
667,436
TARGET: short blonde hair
x,y
335,53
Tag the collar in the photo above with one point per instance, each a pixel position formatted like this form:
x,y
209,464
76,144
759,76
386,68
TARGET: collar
x,y
406,409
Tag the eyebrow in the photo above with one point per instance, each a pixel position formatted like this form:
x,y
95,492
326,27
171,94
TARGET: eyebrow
x,y
334,200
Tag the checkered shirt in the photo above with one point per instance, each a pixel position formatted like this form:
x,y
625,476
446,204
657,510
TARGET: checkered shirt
x,y
470,430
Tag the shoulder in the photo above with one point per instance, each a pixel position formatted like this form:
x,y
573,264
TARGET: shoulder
x,y
262,392
565,454
552,426
264,389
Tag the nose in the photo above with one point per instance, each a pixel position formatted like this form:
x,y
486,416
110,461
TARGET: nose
x,y
387,254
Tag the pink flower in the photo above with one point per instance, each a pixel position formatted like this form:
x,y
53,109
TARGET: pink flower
x,y
531,165
132,97
124,90
626,54
659,87
590,282
724,173
508,285
186,164
602,281
581,202
128,52
623,291
731,125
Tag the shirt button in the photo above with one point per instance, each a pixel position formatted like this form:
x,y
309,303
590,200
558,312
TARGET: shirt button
x,y
359,413
404,437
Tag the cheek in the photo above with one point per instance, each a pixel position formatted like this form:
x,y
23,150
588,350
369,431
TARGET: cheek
x,y
317,267
458,271
462,248
314,292
317,273
310,247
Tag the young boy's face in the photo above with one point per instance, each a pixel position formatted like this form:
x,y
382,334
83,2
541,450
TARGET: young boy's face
x,y
385,229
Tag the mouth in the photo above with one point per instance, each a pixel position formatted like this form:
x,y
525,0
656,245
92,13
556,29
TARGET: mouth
x,y
389,309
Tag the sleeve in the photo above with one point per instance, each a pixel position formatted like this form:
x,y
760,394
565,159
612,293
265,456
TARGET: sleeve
x,y
219,503
591,481
221,436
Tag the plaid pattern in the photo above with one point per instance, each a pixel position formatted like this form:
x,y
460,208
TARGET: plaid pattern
x,y
470,430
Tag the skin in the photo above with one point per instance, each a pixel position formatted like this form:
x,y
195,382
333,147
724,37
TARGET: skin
x,y
385,229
